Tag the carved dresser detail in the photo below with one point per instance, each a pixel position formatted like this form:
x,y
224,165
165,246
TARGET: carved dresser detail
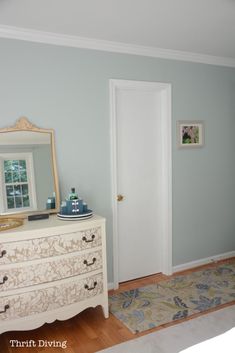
x,y
51,269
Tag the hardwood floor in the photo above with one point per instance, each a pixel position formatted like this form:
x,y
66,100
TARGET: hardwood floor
x,y
87,332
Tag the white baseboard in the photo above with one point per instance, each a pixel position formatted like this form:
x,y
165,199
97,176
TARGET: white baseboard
x,y
196,263
204,261
110,285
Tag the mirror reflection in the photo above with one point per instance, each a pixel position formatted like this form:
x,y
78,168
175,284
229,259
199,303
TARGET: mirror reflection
x,y
27,180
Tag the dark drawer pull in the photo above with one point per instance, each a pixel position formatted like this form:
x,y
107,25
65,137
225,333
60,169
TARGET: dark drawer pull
x,y
90,288
89,240
6,307
5,278
3,253
89,263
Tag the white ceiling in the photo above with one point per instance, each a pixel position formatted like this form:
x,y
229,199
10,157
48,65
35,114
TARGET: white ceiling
x,y
195,26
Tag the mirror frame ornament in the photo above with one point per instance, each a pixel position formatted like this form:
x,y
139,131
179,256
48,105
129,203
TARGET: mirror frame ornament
x,y
23,124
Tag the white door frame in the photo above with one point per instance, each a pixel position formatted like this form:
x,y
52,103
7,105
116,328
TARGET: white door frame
x,y
166,168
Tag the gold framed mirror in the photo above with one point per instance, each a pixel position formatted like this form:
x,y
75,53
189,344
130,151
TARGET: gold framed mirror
x,y
28,170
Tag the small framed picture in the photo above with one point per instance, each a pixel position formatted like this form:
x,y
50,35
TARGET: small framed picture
x,y
190,133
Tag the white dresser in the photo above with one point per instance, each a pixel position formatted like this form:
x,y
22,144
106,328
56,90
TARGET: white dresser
x,y
51,269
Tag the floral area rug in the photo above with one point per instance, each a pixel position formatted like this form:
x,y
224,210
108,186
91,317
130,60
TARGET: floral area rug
x,y
174,299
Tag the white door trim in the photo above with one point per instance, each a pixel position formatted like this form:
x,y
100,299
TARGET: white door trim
x,y
166,160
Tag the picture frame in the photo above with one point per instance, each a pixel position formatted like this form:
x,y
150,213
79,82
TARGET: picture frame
x,y
190,133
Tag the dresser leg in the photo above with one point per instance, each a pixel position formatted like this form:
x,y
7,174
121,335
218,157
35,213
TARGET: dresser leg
x,y
105,309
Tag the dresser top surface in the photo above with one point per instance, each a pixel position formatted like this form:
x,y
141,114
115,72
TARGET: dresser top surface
x,y
49,225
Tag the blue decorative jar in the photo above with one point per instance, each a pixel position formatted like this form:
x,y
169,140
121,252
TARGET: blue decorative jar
x,y
74,206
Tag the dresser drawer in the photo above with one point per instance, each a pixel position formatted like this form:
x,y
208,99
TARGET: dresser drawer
x,y
23,275
50,298
19,251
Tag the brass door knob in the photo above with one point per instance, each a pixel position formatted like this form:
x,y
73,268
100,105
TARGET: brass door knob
x,y
120,197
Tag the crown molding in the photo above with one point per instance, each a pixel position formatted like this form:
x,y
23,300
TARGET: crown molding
x,y
109,46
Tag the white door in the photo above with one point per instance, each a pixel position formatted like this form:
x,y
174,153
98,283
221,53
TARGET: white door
x,y
139,173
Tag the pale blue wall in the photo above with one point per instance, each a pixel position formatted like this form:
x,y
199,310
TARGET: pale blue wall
x,y
68,89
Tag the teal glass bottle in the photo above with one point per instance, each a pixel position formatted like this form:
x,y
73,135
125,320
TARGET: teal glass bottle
x,y
73,195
